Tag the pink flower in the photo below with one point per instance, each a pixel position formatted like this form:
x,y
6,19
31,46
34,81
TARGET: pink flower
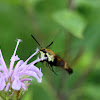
x,y
17,78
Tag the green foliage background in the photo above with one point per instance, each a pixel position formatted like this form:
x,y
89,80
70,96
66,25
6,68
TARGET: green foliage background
x,y
74,26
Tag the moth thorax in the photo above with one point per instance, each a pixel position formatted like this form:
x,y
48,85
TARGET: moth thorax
x,y
50,57
42,54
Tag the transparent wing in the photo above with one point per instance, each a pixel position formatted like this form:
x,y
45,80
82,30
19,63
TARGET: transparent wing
x,y
71,55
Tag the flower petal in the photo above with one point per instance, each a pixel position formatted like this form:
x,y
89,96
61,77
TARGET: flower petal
x,y
37,50
23,86
38,59
31,73
1,69
7,87
18,65
16,85
3,64
14,57
18,41
26,79
2,83
35,69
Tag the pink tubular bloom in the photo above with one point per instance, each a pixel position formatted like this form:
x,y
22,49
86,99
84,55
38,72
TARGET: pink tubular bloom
x,y
16,78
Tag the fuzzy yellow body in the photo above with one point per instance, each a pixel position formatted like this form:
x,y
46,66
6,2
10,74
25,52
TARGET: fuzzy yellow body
x,y
54,60
49,53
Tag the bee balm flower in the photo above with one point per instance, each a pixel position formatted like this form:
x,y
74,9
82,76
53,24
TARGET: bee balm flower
x,y
16,78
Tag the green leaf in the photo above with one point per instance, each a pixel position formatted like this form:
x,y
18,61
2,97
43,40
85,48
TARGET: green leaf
x,y
89,3
72,21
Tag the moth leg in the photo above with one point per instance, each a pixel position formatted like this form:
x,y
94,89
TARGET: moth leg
x,y
47,64
51,68
30,52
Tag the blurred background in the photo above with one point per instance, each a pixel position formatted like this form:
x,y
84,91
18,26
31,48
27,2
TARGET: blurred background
x,y
74,26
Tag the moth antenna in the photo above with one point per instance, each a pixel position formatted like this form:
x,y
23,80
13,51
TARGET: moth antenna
x,y
36,41
50,44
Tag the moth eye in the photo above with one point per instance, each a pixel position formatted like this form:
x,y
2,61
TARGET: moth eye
x,y
44,51
46,55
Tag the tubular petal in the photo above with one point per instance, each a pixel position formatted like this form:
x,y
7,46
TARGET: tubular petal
x,y
2,62
26,79
18,65
7,87
14,58
2,83
37,60
23,86
35,69
35,75
16,85
32,55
